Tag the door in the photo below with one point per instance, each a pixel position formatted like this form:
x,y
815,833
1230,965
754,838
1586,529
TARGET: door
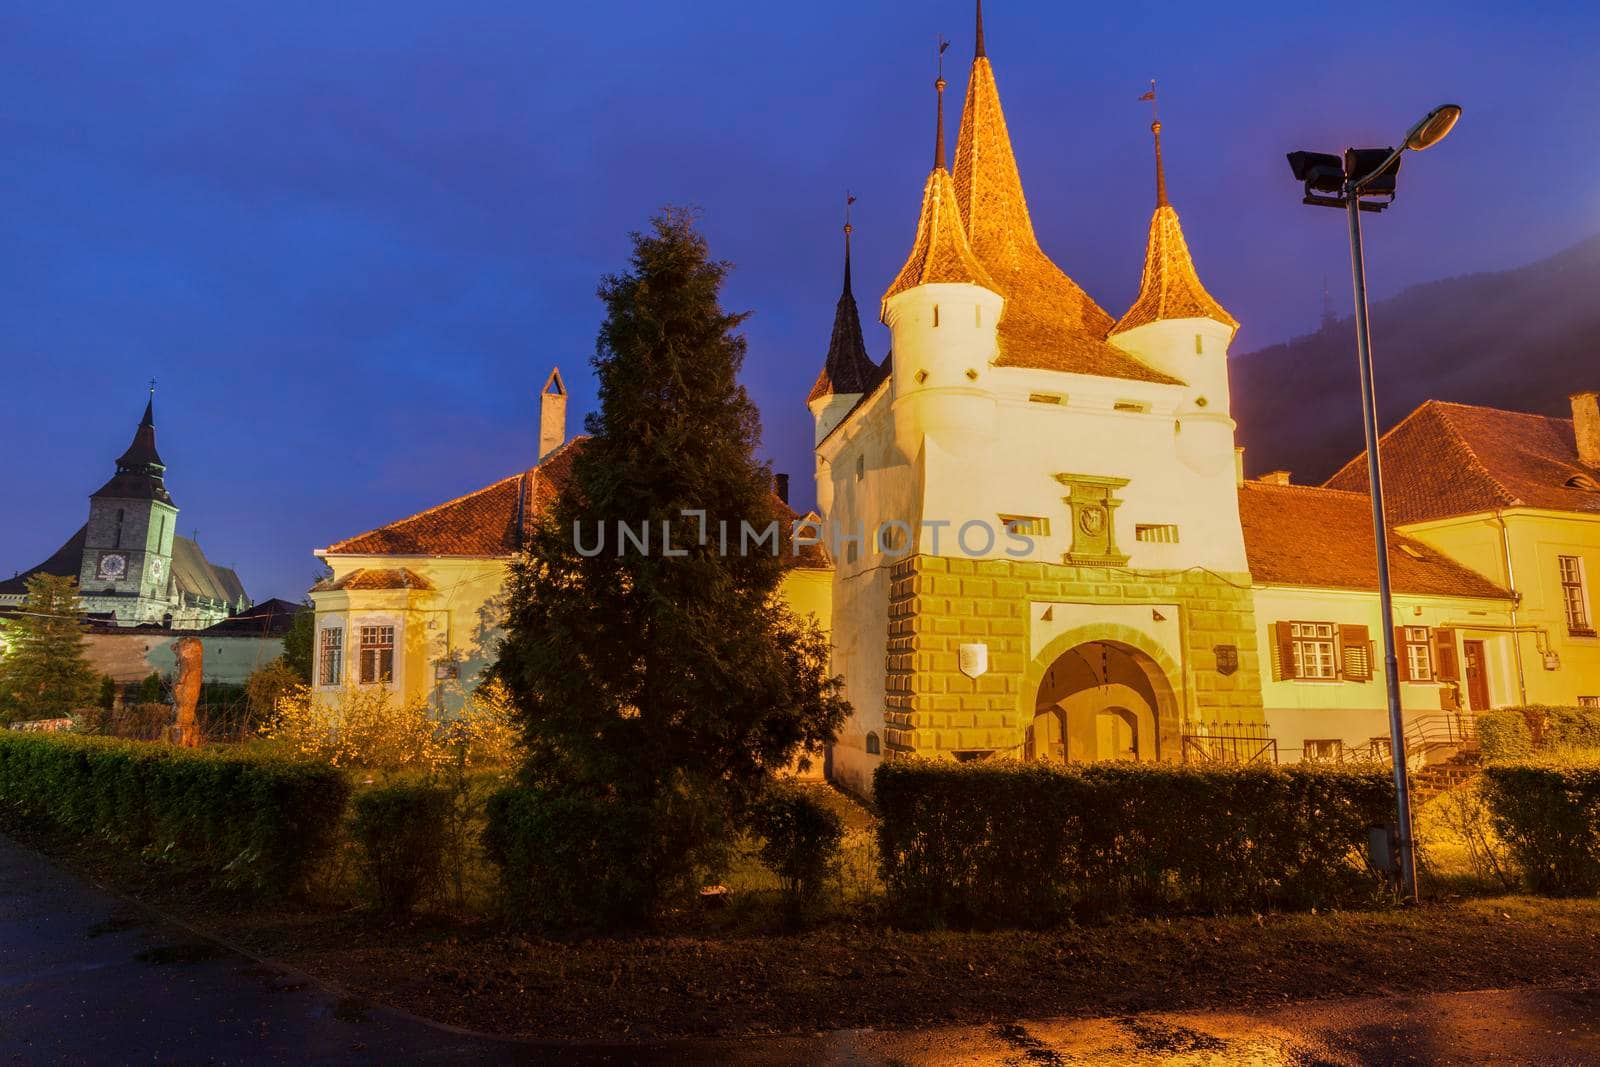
x,y
1116,735
1477,675
1047,738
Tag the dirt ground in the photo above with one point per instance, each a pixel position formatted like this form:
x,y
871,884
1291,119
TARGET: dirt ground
x,y
863,974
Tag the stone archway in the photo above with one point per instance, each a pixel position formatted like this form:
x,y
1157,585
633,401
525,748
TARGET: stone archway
x,y
1091,697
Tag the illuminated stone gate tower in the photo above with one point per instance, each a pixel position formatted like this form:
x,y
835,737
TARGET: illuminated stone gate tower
x,y
1070,581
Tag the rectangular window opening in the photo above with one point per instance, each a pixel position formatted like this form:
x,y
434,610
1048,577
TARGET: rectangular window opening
x,y
330,659
1156,533
1574,596
377,655
1130,405
1026,525
1046,398
1312,644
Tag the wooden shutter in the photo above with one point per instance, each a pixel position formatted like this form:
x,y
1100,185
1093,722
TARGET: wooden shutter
x,y
1285,650
1355,653
1402,660
1446,666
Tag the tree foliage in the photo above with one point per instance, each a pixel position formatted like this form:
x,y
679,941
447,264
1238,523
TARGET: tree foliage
x,y
297,646
644,677
43,670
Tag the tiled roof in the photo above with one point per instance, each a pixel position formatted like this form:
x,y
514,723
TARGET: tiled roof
x,y
197,576
848,368
1457,459
485,522
1049,322
270,618
1170,288
140,472
940,252
64,563
489,523
1311,536
376,578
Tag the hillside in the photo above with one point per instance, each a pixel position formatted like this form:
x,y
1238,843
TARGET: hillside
x,y
1521,339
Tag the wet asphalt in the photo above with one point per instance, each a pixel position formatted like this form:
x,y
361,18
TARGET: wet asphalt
x,y
88,978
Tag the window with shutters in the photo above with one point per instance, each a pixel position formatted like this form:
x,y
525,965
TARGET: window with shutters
x,y
1414,650
1574,596
377,655
1355,653
1311,645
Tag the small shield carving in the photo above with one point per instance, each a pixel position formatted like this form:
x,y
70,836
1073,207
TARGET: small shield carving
x,y
974,659
1227,658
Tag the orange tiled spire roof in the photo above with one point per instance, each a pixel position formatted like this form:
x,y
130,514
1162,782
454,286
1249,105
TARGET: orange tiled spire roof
x,y
1170,288
1049,321
940,252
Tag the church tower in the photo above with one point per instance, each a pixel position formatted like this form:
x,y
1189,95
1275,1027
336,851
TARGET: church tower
x,y
127,552
848,372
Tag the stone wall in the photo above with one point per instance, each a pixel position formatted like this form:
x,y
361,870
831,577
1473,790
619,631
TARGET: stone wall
x,y
937,604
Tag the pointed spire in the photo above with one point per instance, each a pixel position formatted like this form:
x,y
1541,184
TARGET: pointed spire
x,y
139,469
848,369
978,50
1170,287
940,251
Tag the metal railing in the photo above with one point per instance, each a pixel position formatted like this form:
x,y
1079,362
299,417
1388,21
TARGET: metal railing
x,y
1230,742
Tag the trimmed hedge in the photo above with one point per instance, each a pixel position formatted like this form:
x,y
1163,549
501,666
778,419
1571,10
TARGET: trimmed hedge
x,y
1548,813
240,821
403,831
1504,735
1000,843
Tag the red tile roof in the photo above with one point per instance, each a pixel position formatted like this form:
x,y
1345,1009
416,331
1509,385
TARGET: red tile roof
x,y
1304,535
377,578
1457,459
489,522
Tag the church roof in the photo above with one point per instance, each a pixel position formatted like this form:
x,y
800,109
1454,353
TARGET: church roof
x,y
1049,322
1448,459
489,522
140,472
1312,536
197,576
848,369
64,563
1170,287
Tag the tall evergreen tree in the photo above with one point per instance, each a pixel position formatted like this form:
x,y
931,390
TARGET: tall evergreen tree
x,y
673,684
43,672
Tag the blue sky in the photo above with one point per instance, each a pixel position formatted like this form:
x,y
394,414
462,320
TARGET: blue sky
x,y
350,240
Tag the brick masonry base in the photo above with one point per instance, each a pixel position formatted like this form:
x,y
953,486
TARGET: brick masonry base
x,y
938,603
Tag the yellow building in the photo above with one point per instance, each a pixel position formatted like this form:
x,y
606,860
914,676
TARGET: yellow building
x,y
416,606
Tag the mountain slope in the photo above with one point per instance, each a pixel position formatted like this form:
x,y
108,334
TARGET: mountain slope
x,y
1521,339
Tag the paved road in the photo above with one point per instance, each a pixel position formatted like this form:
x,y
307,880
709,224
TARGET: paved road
x,y
86,978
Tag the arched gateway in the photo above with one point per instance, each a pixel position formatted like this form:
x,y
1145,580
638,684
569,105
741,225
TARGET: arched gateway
x,y
1102,700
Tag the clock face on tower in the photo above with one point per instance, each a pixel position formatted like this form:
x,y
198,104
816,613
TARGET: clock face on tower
x,y
155,567
113,565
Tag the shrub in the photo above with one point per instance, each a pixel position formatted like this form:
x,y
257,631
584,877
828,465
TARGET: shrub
x,y
1005,843
267,686
1504,735
1547,810
800,842
403,831
571,859
357,728
238,821
108,693
1573,727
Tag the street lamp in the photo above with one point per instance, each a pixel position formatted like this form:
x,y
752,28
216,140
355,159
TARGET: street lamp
x,y
1354,183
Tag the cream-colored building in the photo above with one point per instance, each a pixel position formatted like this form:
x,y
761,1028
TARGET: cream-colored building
x,y
1049,559
416,606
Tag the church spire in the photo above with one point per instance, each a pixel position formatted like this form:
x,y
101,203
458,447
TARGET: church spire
x,y
140,471
940,251
1170,287
978,49
848,370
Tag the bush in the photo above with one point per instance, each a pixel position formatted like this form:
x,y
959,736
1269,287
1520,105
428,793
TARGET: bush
x,y
403,831
1504,735
238,821
800,842
1573,727
1548,813
571,859
1025,844
358,727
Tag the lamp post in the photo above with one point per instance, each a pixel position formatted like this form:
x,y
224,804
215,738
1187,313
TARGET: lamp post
x,y
1332,182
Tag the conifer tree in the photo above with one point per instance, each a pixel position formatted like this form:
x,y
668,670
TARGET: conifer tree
x,y
43,672
670,684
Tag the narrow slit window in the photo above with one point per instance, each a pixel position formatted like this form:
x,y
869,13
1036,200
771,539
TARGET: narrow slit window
x,y
1045,398
936,314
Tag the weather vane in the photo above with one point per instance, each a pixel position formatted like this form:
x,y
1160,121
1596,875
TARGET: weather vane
x,y
848,200
1151,96
152,387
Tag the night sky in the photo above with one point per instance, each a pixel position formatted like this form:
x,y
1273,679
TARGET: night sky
x,y
351,239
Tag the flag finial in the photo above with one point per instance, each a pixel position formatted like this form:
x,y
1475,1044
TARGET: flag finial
x,y
848,230
1155,132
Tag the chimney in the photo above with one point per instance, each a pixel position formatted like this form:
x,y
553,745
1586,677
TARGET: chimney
x,y
552,414
1275,478
1238,464
1586,427
780,485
